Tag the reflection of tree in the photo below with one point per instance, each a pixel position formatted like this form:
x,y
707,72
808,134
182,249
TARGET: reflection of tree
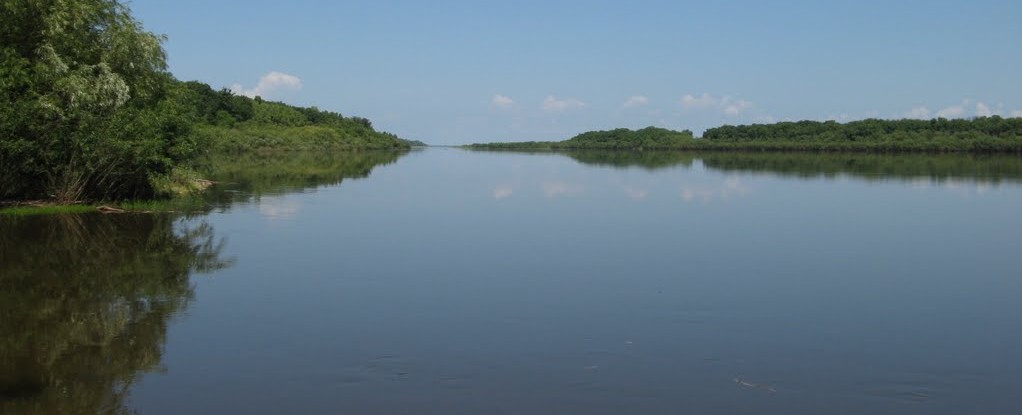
x,y
651,160
257,174
85,305
982,167
987,168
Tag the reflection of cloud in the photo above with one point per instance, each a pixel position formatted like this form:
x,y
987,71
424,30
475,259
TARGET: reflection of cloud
x,y
555,189
502,192
958,186
635,193
732,186
279,208
967,188
690,194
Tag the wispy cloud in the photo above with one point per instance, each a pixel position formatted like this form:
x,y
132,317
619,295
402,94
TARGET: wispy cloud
x,y
954,111
501,101
552,104
735,108
966,108
839,117
1016,114
730,106
635,101
704,101
270,83
918,113
983,110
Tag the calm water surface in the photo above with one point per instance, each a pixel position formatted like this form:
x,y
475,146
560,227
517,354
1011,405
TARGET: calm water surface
x,y
445,281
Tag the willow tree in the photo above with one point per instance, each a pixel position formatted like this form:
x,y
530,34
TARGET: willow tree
x,y
84,111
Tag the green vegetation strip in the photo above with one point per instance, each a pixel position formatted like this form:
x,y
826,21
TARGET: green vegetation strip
x,y
89,111
979,135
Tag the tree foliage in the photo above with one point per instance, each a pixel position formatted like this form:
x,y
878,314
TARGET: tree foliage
x,y
979,135
83,102
88,109
982,134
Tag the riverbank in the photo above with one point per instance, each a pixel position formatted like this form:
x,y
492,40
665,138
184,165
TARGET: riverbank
x,y
979,135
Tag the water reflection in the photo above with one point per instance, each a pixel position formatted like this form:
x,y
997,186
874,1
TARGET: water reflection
x,y
86,303
649,160
983,168
250,177
732,186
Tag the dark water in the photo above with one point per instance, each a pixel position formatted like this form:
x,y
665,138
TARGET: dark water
x,y
447,281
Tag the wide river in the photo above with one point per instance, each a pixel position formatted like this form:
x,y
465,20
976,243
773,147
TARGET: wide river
x,y
445,281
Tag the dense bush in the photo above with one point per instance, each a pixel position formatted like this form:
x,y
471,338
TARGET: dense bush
x,y
88,109
84,108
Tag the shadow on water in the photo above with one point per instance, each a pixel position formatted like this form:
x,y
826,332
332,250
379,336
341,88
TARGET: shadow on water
x,y
248,177
981,168
86,303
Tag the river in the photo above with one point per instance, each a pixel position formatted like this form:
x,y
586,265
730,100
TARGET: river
x,y
447,281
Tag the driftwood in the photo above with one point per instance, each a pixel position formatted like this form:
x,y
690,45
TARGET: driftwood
x,y
108,209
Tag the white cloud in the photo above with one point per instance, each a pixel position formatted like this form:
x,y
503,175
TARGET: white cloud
x,y
501,101
954,111
635,101
735,108
729,106
704,101
270,83
1016,114
552,104
982,110
919,113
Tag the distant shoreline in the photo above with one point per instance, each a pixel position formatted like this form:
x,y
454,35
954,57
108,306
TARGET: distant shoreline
x,y
979,135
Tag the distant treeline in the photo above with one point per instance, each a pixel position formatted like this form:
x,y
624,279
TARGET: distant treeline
x,y
651,138
980,135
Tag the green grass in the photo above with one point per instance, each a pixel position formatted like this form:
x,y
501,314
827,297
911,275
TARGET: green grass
x,y
177,204
45,210
180,204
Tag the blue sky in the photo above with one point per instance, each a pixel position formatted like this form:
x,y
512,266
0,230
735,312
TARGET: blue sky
x,y
453,72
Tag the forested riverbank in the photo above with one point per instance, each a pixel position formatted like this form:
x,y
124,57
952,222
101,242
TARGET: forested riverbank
x,y
978,135
89,111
